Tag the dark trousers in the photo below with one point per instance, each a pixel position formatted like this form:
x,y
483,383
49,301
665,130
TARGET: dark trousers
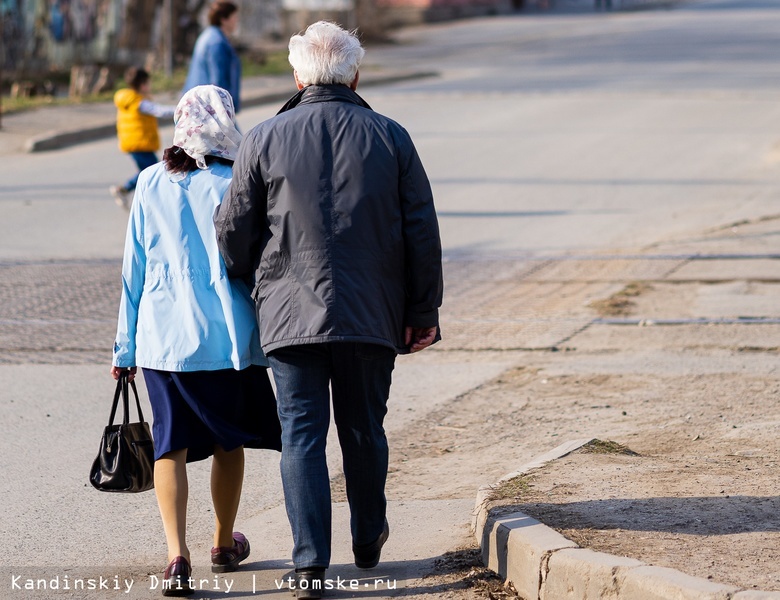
x,y
142,161
359,376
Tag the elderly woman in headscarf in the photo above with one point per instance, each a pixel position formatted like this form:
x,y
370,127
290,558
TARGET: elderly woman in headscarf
x,y
193,331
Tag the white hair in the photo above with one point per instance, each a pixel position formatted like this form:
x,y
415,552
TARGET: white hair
x,y
325,54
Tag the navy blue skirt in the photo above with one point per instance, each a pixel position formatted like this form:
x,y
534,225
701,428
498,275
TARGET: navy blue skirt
x,y
198,410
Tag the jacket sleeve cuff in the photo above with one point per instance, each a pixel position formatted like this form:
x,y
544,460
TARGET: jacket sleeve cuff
x,y
123,357
428,318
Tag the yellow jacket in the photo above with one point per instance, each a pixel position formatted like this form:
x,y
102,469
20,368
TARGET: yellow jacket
x,y
137,132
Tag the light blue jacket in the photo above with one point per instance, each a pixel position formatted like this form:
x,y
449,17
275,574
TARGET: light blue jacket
x,y
215,62
179,311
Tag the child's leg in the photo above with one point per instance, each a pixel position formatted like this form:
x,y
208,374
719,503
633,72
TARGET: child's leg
x,y
142,160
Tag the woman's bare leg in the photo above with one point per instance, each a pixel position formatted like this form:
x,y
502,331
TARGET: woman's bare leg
x,y
171,488
227,478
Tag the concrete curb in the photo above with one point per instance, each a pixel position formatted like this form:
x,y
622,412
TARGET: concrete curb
x,y
55,140
544,565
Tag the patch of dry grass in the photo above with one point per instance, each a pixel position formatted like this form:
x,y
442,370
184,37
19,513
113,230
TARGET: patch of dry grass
x,y
511,489
620,303
607,447
463,570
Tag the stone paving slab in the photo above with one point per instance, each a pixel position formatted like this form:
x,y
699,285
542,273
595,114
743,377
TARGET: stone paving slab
x,y
66,310
739,338
595,270
726,270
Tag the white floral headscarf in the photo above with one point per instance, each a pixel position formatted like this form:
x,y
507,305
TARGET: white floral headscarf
x,y
205,124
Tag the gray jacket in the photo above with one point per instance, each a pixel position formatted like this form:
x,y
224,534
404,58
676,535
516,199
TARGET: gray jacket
x,y
331,208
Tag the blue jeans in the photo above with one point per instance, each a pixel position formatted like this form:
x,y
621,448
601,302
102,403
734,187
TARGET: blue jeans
x,y
142,160
359,376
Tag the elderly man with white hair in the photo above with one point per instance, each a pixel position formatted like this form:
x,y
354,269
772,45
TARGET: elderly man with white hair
x,y
331,210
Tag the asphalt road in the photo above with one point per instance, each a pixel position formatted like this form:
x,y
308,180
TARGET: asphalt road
x,y
544,133
546,136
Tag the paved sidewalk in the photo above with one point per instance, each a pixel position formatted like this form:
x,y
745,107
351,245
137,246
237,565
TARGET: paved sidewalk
x,y
422,529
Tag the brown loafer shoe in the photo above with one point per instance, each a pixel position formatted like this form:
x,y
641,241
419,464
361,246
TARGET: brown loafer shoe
x,y
367,557
177,578
226,559
309,584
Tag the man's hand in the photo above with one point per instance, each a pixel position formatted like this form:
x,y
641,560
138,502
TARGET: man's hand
x,y
116,372
419,338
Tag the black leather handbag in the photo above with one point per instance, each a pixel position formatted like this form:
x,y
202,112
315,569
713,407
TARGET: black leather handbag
x,y
125,462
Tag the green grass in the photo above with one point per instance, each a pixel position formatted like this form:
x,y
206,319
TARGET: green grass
x,y
12,105
275,63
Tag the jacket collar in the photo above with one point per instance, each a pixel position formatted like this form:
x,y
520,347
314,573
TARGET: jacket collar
x,y
218,31
324,93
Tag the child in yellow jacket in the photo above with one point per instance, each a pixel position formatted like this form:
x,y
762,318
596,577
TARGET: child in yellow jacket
x,y
136,127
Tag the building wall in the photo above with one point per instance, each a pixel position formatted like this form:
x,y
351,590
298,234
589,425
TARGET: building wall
x,y
39,35
407,12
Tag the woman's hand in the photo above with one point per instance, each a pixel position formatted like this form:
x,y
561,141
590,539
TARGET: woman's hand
x,y
117,371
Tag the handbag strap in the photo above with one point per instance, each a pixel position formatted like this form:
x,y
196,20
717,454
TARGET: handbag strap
x,y
122,389
116,399
125,398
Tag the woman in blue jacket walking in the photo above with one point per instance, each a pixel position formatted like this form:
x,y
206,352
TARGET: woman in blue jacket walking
x,y
193,331
214,61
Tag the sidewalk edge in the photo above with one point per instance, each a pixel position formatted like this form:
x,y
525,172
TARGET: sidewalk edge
x,y
544,565
56,140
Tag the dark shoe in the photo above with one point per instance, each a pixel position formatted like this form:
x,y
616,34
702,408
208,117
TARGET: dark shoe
x,y
176,579
309,584
226,559
367,557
